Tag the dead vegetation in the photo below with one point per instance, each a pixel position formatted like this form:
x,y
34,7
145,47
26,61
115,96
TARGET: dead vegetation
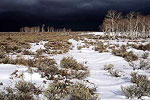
x,y
70,91
122,52
140,88
142,47
22,91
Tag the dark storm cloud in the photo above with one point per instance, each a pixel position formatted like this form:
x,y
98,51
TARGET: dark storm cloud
x,y
62,7
74,13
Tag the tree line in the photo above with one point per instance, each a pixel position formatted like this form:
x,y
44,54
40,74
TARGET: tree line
x,y
43,29
132,24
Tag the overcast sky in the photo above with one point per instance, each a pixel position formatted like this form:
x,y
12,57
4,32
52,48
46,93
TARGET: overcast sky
x,y
76,14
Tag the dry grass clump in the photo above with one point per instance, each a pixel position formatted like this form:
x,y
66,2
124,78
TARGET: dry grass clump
x,y
120,52
100,47
13,46
141,87
133,65
80,74
58,45
69,91
114,73
142,47
111,70
47,67
73,69
129,56
22,91
5,59
69,62
26,52
71,74
18,42
81,92
108,67
135,78
80,47
57,91
145,55
144,64
131,91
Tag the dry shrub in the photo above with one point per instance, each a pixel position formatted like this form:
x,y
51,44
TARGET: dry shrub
x,y
56,91
135,78
100,47
47,67
24,62
131,91
145,55
141,87
22,91
120,52
71,74
58,45
133,65
114,73
40,51
5,59
69,62
27,87
69,91
144,65
80,74
108,67
11,47
73,69
26,52
129,56
81,92
80,47
143,47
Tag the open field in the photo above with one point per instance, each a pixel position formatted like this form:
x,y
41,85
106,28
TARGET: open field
x,y
73,66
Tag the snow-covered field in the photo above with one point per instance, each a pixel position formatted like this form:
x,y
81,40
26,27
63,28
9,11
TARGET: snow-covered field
x,y
108,87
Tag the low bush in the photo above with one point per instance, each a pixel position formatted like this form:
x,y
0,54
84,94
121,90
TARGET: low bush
x,y
80,74
141,87
114,73
57,91
130,56
22,91
47,67
39,52
100,47
137,79
132,91
26,52
69,62
81,92
108,67
58,45
69,91
133,65
144,65
122,52
70,74
143,47
145,55
6,60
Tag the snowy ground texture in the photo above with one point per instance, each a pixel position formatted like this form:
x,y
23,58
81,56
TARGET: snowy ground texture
x,y
108,87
